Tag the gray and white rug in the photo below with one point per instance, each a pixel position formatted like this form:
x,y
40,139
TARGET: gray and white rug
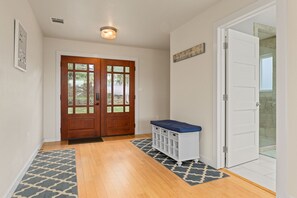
x,y
51,174
191,172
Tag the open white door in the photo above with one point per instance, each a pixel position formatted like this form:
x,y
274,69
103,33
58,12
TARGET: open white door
x,y
242,109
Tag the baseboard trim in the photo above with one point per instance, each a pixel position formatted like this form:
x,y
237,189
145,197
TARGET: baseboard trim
x,y
51,140
22,172
207,161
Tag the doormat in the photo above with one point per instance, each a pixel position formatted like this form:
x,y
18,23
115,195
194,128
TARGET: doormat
x,y
85,140
191,172
51,174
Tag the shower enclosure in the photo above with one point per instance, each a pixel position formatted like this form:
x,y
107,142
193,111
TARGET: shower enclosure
x,y
267,90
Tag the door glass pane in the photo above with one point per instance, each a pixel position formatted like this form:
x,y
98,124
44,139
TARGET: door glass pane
x,y
81,88
127,69
118,109
70,88
118,89
118,69
109,68
91,88
70,66
91,67
70,110
127,109
108,109
81,66
127,89
109,85
91,110
81,110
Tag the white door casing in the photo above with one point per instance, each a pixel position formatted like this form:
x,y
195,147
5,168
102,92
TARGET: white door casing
x,y
242,107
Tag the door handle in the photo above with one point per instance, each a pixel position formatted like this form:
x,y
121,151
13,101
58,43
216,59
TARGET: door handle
x,y
258,104
97,96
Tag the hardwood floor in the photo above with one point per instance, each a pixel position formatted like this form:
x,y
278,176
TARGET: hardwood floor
x,y
116,168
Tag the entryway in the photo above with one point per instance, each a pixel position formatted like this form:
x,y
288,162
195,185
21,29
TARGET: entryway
x,y
97,97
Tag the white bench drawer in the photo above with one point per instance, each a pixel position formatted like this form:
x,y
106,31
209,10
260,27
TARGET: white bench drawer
x,y
173,135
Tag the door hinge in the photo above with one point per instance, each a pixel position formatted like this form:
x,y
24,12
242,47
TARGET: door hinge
x,y
60,97
225,149
225,45
225,97
134,97
134,125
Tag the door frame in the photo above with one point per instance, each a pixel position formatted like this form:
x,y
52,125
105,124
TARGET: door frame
x,y
281,83
220,60
58,86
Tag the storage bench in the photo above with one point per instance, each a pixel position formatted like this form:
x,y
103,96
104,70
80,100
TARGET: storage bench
x,y
178,140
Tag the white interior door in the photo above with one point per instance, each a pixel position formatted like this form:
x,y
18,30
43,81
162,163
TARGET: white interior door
x,y
242,78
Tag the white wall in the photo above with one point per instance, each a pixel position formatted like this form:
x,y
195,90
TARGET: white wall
x,y
152,71
192,81
21,93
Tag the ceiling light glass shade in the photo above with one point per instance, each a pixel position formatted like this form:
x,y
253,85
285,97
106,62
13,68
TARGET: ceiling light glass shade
x,y
108,32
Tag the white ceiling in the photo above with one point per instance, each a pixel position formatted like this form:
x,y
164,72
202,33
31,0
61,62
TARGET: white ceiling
x,y
141,23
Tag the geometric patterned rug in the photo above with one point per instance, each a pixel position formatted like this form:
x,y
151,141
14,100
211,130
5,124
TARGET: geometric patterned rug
x,y
191,172
51,174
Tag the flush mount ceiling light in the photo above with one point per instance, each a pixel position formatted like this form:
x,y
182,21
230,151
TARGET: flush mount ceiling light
x,y
108,32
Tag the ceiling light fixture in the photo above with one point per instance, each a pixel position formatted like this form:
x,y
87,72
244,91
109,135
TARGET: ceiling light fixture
x,y
108,32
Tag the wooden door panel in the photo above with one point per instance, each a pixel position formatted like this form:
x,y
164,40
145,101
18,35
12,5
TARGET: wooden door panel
x,y
118,97
117,125
78,123
80,108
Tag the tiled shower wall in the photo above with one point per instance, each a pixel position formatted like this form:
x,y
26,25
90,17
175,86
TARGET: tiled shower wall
x,y
268,99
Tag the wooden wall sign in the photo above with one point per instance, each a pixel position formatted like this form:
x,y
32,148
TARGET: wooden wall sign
x,y
194,51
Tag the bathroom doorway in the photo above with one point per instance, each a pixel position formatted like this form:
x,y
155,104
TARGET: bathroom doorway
x,y
258,126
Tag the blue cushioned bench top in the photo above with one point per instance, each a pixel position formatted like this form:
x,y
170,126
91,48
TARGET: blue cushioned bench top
x,y
174,125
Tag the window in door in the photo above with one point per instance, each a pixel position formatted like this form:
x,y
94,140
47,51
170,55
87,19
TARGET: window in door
x,y
118,89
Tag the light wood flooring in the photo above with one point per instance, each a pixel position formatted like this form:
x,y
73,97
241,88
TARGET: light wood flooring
x,y
116,168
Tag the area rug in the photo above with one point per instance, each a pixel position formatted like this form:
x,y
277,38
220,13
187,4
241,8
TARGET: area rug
x,y
191,172
51,174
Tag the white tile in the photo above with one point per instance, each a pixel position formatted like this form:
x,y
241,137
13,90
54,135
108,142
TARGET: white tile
x,y
270,166
271,176
258,168
261,171
268,159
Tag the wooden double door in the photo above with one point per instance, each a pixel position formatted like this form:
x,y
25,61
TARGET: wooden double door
x,y
97,97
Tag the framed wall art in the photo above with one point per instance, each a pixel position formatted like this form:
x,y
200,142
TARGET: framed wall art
x,y
20,46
